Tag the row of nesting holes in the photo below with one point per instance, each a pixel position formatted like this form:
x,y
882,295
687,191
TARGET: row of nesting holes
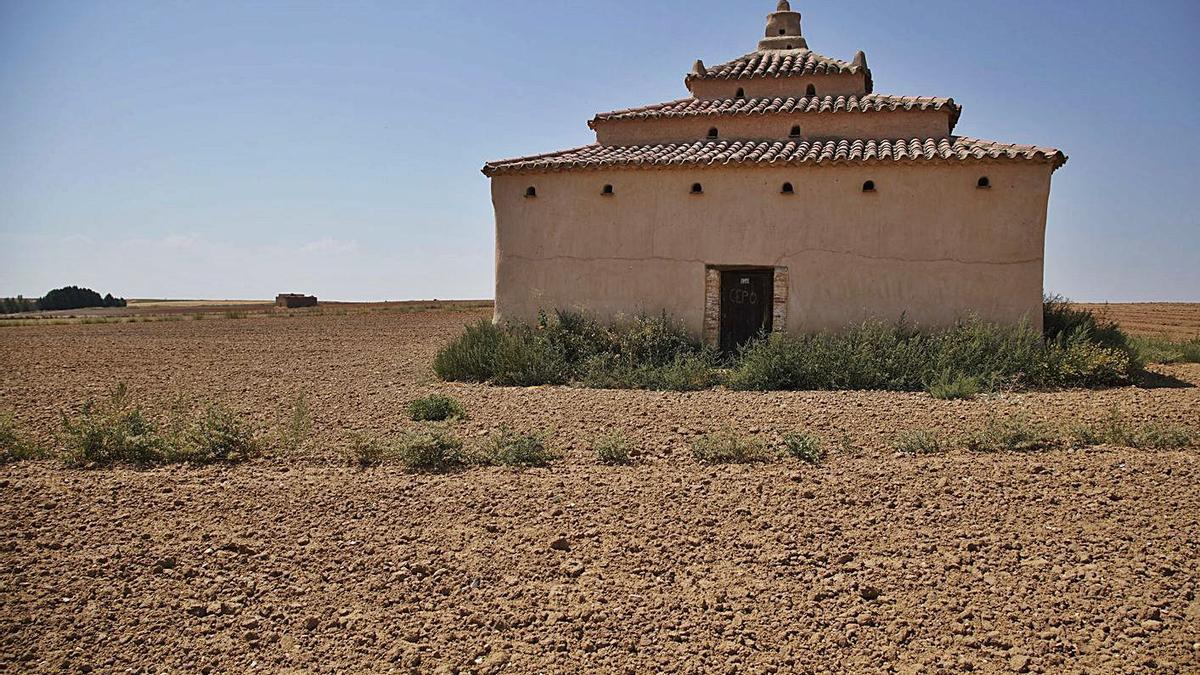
x,y
810,92
788,189
714,134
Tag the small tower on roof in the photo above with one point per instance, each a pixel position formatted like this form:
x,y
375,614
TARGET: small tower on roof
x,y
783,29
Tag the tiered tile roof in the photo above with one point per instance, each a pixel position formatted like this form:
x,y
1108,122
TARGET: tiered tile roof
x,y
691,107
776,153
783,53
777,63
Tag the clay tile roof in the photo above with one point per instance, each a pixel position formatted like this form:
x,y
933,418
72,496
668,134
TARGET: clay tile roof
x,y
776,153
691,107
777,63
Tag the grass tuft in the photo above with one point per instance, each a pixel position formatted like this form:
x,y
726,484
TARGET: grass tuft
x,y
1118,430
729,447
613,449
112,431
510,448
436,408
920,442
805,447
365,451
14,445
117,431
1013,434
948,385
216,436
297,425
430,452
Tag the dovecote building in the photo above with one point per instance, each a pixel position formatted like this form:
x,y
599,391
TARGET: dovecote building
x,y
783,194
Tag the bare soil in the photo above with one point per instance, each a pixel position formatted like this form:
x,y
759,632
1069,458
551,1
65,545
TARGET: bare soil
x,y
1062,561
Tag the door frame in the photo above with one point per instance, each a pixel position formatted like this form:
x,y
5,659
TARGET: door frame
x,y
712,299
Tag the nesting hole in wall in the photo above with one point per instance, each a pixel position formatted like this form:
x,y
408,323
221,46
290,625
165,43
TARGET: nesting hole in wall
x,y
530,192
811,90
712,133
984,183
788,189
741,93
697,189
869,186
607,191
795,132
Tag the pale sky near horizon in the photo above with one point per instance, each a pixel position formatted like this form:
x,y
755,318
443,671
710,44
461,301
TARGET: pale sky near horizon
x,y
221,149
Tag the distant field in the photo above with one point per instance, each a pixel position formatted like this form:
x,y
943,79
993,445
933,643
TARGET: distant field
x,y
171,304
1174,320
151,309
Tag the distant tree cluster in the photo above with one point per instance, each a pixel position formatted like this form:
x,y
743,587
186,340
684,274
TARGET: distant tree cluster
x,y
67,297
17,305
74,297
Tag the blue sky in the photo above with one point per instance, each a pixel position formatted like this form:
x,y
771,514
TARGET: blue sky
x,y
237,149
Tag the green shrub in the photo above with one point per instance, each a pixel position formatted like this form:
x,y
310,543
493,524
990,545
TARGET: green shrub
x,y
613,448
430,451
14,446
1014,434
509,448
805,447
728,447
472,356
656,352
920,442
436,408
645,353
949,386
1076,361
216,436
1061,319
110,432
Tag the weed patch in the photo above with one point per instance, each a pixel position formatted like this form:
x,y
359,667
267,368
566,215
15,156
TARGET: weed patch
x,y
216,436
1118,430
297,425
510,448
14,445
729,447
436,408
1014,434
804,447
112,431
117,431
613,449
365,451
948,385
920,442
430,452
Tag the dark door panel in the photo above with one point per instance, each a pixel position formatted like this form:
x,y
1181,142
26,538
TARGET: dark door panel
x,y
747,301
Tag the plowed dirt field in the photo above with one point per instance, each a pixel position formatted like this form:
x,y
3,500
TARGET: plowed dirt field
x,y
1060,561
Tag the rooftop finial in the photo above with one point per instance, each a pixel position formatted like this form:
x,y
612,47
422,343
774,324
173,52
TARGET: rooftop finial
x,y
699,69
783,29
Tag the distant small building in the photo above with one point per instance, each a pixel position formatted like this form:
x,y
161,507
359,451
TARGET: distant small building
x,y
295,300
783,194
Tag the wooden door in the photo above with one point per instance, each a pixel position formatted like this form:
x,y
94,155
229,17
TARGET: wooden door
x,y
747,301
